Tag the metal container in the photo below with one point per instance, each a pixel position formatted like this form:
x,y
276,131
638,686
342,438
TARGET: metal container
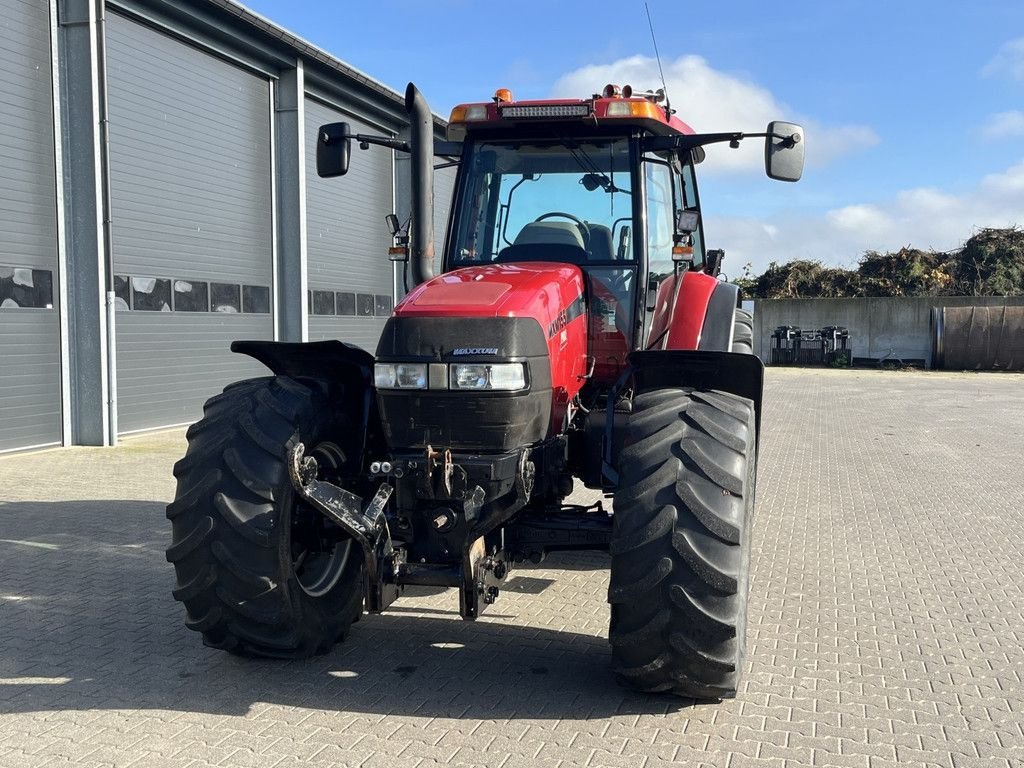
x,y
978,338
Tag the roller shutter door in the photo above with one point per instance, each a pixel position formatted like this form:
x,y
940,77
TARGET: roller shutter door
x,y
30,411
350,277
190,167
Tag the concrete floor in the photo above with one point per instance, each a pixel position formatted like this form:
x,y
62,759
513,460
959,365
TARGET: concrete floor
x,y
886,618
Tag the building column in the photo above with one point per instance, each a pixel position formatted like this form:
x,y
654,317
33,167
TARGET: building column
x,y
87,348
292,310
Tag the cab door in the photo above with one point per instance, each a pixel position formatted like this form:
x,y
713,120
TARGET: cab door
x,y
669,187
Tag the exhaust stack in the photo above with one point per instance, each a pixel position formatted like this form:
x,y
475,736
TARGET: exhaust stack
x,y
422,141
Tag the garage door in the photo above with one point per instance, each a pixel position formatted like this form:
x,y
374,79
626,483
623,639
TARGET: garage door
x,y
30,412
350,277
190,167
444,187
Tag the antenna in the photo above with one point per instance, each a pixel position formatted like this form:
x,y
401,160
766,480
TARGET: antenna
x,y
664,87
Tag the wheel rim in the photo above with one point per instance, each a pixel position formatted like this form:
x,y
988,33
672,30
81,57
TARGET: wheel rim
x,y
319,572
318,569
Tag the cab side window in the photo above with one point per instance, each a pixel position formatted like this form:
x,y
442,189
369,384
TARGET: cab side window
x,y
661,208
687,193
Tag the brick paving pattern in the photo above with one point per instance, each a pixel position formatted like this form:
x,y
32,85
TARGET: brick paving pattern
x,y
887,618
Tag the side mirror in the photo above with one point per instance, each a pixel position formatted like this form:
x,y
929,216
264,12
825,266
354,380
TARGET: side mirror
x,y
784,151
625,242
713,261
333,149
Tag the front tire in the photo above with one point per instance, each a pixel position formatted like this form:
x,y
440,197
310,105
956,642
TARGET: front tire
x,y
681,543
259,572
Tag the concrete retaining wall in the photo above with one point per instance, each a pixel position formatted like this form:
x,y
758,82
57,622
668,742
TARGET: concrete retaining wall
x,y
893,327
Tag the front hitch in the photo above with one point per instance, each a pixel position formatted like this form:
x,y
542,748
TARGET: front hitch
x,y
366,524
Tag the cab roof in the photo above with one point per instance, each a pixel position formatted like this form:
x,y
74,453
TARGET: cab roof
x,y
614,107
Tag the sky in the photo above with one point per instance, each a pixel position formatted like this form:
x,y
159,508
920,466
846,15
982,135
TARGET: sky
x,y
913,110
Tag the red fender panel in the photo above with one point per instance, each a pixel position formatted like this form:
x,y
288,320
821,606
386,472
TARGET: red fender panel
x,y
690,308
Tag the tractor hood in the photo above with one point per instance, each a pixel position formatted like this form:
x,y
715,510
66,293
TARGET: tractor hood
x,y
541,290
528,312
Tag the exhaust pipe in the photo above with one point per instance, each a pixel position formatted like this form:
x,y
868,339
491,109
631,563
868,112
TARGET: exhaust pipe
x,y
422,141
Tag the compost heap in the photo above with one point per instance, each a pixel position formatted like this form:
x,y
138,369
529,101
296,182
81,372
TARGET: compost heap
x,y
990,263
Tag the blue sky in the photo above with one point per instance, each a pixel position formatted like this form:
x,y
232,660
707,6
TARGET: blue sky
x,y
914,111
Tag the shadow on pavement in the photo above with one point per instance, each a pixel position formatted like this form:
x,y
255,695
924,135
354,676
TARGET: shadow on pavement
x,y
87,621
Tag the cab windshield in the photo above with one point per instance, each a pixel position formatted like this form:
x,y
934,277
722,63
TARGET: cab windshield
x,y
556,201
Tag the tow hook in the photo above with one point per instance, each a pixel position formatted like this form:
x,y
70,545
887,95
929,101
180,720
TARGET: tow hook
x,y
366,523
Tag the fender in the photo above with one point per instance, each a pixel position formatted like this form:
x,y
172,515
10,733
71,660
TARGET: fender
x,y
324,360
720,318
732,372
342,369
694,311
689,310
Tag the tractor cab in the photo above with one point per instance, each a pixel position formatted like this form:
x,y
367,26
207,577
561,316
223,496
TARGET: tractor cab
x,y
579,182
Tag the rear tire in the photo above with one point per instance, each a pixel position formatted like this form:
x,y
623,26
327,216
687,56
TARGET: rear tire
x,y
255,567
743,332
681,543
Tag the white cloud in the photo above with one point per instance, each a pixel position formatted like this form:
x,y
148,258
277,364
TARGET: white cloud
x,y
1004,124
712,101
1010,182
922,217
1009,59
858,218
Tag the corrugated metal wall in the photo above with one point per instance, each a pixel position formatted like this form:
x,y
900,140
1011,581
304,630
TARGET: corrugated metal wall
x,y
30,410
348,240
191,179
190,168
444,185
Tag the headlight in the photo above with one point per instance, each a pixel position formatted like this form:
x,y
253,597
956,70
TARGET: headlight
x,y
400,375
503,376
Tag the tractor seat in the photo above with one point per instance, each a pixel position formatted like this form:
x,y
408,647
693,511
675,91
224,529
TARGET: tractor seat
x,y
550,232
558,241
600,245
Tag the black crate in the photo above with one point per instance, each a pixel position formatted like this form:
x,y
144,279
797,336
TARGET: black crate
x,y
792,345
835,340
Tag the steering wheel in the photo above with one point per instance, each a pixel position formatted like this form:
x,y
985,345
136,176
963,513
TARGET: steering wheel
x,y
580,224
619,283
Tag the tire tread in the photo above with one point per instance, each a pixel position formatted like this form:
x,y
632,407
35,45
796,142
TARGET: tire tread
x,y
228,541
680,543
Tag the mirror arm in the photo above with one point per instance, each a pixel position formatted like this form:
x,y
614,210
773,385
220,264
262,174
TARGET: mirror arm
x,y
788,140
381,141
449,149
690,141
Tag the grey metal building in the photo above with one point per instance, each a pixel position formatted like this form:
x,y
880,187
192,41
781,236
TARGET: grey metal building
x,y
159,199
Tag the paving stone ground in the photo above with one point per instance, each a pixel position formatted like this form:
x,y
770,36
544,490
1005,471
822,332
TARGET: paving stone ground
x,y
886,618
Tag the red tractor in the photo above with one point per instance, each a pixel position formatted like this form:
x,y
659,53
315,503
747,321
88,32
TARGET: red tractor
x,y
578,331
